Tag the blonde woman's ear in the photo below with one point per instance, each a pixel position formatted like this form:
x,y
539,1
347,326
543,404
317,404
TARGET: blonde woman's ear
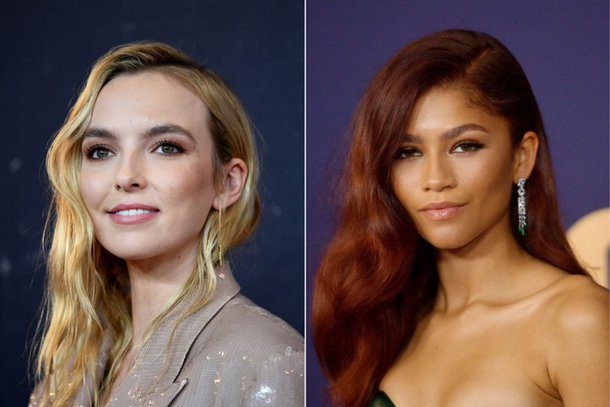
x,y
525,156
235,173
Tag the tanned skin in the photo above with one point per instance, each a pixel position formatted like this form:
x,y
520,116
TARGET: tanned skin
x,y
506,329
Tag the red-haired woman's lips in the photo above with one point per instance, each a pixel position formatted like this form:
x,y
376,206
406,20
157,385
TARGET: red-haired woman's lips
x,y
442,210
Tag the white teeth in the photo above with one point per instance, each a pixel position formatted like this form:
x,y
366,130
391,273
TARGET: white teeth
x,y
133,212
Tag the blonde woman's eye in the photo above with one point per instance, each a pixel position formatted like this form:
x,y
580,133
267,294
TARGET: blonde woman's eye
x,y
407,152
168,148
98,152
467,147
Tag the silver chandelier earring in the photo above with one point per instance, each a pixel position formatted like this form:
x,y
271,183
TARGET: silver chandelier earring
x,y
521,210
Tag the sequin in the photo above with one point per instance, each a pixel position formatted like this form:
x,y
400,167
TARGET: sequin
x,y
264,394
244,364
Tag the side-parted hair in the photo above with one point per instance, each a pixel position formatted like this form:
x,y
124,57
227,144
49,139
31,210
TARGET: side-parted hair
x,y
87,288
378,277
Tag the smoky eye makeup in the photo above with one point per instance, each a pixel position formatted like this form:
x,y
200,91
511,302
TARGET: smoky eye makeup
x,y
406,152
462,146
467,146
168,147
164,147
97,151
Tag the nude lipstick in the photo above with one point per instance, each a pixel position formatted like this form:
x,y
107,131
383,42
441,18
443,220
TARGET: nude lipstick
x,y
441,210
133,213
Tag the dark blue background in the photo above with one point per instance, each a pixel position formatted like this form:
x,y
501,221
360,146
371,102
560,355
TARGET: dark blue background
x,y
47,51
562,46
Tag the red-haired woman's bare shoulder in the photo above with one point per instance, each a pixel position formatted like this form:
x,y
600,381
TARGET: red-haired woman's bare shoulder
x,y
577,340
578,296
573,304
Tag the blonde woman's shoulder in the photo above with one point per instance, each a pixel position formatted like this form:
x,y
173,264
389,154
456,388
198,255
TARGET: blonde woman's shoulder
x,y
253,327
245,356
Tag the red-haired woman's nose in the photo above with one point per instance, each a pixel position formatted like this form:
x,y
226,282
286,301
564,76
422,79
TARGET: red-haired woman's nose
x,y
437,175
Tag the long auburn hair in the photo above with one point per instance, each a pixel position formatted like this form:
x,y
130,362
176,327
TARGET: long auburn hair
x,y
378,277
87,288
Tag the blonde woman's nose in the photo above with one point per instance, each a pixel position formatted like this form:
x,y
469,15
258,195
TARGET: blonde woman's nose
x,y
130,175
437,174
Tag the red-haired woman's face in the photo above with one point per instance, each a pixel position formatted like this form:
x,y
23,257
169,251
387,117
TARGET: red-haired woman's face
x,y
454,170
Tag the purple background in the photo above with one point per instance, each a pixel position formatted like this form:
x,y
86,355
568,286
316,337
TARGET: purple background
x,y
561,45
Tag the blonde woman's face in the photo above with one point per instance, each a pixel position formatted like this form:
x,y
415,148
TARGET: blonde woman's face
x,y
147,176
454,170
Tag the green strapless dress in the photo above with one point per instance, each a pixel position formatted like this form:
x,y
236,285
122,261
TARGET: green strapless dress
x,y
381,400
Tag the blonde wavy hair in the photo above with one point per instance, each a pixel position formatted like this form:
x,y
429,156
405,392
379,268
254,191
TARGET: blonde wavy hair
x,y
87,288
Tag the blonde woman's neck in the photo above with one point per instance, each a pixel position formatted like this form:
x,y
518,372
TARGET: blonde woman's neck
x,y
153,283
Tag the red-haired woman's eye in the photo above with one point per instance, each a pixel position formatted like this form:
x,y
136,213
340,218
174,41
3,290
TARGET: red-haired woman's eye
x,y
467,147
407,152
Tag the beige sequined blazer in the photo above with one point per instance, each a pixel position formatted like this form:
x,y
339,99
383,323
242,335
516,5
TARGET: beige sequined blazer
x,y
229,353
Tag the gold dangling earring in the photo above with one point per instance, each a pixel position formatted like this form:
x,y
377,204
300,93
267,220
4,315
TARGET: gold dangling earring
x,y
219,239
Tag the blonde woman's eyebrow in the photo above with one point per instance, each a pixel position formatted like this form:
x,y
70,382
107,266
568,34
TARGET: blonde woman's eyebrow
x,y
449,134
151,132
168,129
98,132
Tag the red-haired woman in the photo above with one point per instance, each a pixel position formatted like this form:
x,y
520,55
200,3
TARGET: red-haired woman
x,y
449,281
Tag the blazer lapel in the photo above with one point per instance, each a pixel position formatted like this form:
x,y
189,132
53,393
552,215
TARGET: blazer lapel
x,y
152,379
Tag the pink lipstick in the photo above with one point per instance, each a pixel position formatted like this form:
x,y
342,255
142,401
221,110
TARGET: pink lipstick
x,y
131,214
442,210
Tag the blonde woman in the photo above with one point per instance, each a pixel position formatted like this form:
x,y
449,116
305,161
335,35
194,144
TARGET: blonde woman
x,y
154,178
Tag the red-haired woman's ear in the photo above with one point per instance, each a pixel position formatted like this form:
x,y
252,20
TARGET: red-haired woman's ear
x,y
525,156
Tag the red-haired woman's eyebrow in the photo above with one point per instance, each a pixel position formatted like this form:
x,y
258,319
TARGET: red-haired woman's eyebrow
x,y
448,135
456,131
412,138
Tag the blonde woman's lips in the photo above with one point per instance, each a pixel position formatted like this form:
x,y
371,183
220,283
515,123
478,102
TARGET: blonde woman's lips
x,y
442,210
130,214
